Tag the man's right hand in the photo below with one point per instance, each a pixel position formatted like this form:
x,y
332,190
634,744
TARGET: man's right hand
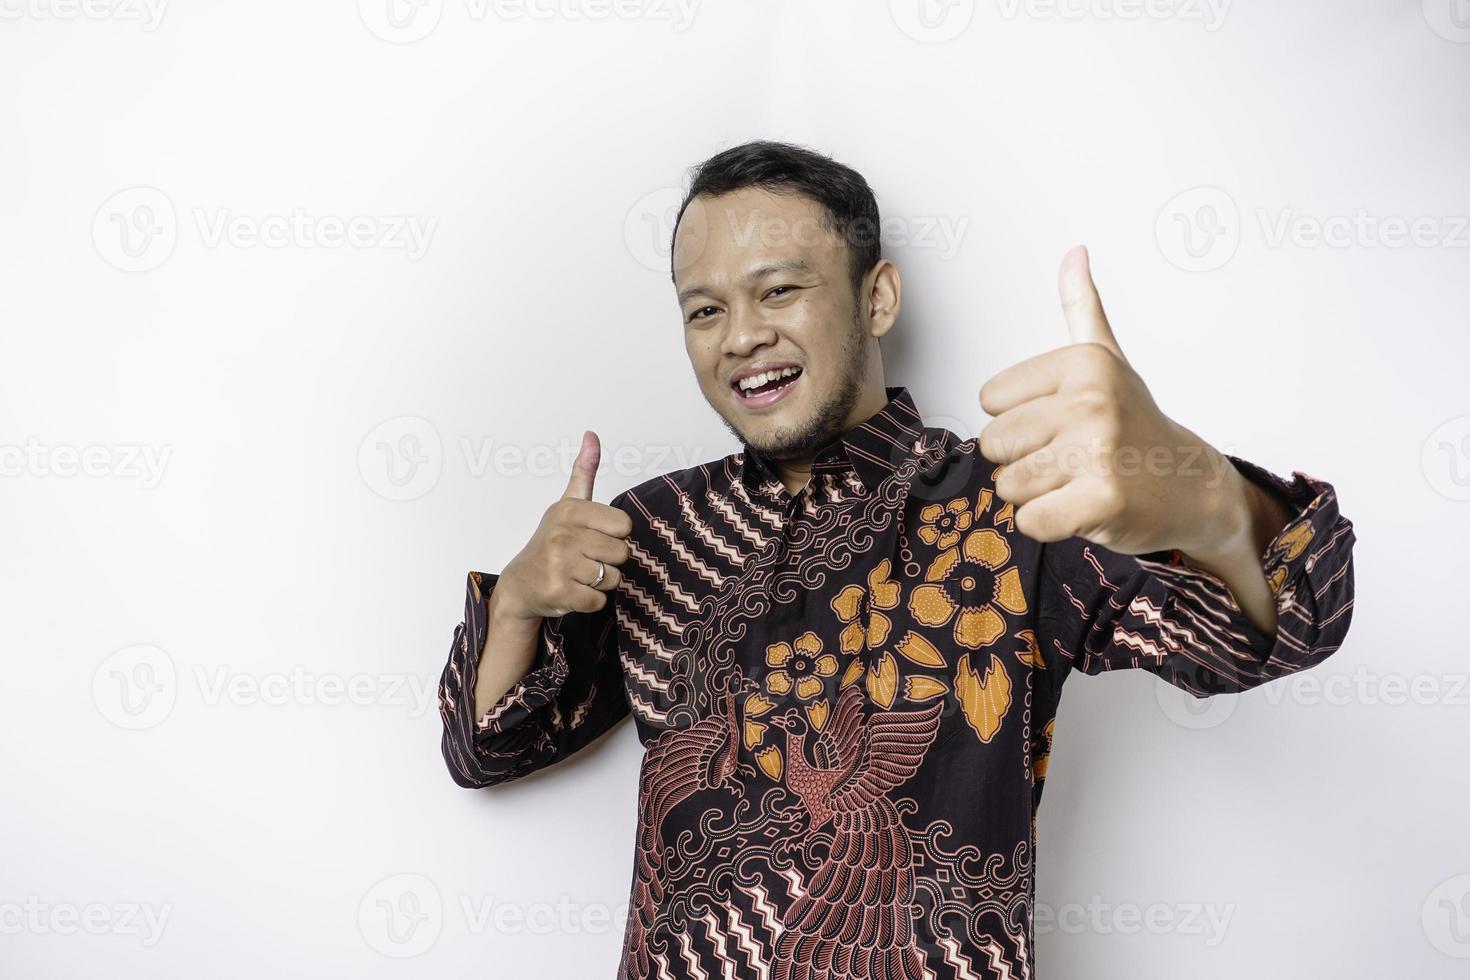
x,y
551,575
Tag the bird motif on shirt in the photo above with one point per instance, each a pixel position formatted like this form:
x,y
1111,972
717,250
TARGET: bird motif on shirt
x,y
680,763
854,920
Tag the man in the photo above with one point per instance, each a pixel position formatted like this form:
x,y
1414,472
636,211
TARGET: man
x,y
843,646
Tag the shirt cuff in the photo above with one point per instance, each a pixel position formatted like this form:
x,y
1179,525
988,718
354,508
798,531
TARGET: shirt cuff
x,y
1293,561
537,688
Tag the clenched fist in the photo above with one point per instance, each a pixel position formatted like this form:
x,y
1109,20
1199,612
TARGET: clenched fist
x,y
553,574
1088,453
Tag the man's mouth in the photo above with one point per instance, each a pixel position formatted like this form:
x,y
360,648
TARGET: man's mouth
x,y
760,390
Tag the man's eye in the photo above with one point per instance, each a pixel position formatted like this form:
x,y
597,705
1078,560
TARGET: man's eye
x,y
696,314
777,290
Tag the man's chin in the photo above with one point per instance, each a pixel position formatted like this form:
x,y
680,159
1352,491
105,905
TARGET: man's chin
x,y
785,431
786,445
770,433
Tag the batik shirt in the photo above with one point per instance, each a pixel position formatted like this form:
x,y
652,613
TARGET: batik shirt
x,y
845,696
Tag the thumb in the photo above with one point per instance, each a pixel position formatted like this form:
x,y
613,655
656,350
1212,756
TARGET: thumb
x,y
584,468
1086,321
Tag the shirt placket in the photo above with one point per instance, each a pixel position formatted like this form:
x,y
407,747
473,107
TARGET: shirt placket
x,y
797,506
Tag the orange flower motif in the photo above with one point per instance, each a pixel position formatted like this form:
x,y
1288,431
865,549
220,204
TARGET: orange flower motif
x,y
882,593
802,666
944,525
952,578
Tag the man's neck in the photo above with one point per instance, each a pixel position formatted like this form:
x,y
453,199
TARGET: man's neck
x,y
797,473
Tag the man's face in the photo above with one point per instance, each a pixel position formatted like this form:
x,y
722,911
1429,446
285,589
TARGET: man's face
x,y
763,285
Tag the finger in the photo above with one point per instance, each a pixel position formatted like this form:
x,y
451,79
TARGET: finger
x,y
610,520
584,468
1032,476
1086,321
1020,430
586,574
1034,377
602,547
584,598
1056,516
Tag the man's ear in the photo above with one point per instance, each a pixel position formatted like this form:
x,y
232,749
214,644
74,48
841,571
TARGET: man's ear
x,y
883,297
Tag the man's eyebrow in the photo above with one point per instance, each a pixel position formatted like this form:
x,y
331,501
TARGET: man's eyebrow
x,y
754,275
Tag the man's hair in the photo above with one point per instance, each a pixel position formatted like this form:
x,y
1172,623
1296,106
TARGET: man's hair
x,y
849,208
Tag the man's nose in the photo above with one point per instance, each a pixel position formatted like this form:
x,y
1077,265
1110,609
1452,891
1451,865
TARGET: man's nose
x,y
746,331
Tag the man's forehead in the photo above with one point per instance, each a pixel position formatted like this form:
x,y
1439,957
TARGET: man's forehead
x,y
750,233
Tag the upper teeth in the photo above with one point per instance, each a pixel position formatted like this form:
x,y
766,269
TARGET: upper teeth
x,y
756,380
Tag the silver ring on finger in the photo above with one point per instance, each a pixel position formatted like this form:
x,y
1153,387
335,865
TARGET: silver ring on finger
x,y
601,574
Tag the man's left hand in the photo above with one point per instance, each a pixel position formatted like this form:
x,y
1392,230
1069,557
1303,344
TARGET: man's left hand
x,y
1087,451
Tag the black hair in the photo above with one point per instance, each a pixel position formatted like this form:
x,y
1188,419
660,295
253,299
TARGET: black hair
x,y
849,208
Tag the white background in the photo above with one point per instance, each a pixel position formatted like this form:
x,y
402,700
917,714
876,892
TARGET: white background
x,y
323,421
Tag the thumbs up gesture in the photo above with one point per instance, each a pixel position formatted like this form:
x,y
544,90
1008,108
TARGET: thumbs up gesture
x,y
555,572
1086,452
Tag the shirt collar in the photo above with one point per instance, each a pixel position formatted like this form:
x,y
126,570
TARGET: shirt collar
x,y
872,449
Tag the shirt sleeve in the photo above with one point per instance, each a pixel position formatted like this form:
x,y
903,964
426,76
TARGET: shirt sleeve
x,y
572,693
1101,610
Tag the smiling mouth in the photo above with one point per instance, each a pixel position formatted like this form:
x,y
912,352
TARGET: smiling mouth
x,y
764,389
